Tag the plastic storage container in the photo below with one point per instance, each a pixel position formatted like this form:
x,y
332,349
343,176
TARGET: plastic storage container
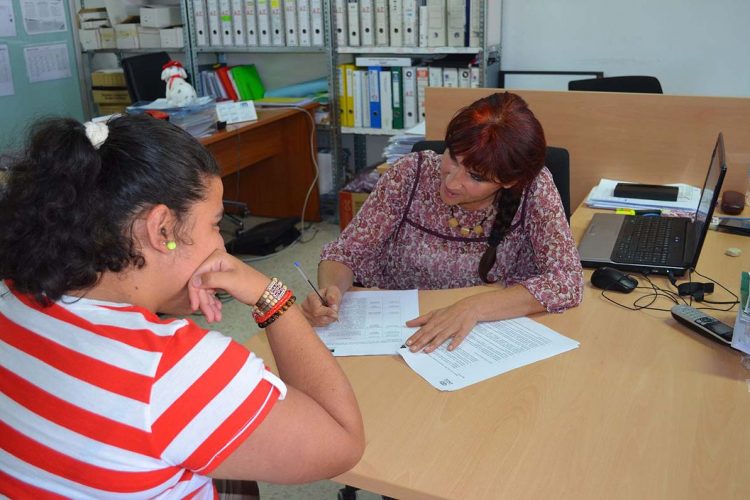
x,y
197,119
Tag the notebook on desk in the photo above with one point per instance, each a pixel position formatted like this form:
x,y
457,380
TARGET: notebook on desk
x,y
655,245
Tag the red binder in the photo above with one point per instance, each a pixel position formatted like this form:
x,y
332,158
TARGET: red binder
x,y
223,74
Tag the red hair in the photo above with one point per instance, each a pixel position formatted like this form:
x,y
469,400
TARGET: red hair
x,y
499,138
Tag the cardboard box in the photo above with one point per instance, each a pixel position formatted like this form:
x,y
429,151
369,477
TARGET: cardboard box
x,y
172,37
111,96
92,14
149,38
119,11
107,38
160,16
108,78
89,39
94,24
126,36
349,205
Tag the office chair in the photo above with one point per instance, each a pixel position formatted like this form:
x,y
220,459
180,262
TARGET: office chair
x,y
143,75
636,84
557,161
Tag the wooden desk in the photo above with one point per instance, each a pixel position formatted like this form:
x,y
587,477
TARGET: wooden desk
x,y
267,164
643,409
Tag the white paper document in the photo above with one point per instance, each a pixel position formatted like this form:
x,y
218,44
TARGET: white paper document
x,y
490,349
43,16
6,74
371,323
7,19
47,62
602,196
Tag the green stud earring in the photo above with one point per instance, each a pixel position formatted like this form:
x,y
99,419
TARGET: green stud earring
x,y
171,245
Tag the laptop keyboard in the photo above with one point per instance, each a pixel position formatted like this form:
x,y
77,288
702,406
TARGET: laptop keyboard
x,y
646,240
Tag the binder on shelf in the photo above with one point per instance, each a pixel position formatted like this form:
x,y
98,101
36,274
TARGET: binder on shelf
x,y
248,82
358,122
263,13
422,83
316,23
239,37
386,101
397,96
381,22
410,96
435,76
353,22
343,101
367,23
365,110
411,23
456,22
277,23
373,74
303,23
423,23
464,78
450,77
226,82
225,18
290,22
474,81
436,23
341,15
251,23
214,25
350,84
234,85
201,23
396,21
474,23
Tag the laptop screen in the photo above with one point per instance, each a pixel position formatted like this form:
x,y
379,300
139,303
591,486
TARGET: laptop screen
x,y
709,198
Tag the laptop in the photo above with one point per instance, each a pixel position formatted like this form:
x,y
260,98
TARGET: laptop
x,y
655,245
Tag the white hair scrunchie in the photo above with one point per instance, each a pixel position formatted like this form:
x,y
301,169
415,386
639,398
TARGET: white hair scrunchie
x,y
97,133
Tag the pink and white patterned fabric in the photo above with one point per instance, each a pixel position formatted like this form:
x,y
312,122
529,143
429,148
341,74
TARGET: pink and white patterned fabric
x,y
400,239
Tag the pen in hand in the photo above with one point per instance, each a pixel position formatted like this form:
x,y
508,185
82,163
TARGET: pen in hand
x,y
302,272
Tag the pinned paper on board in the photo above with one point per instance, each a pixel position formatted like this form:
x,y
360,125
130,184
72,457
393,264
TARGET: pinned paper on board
x,y
7,19
6,74
47,62
43,16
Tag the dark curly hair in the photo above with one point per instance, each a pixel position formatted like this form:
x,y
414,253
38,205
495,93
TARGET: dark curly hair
x,y
499,138
67,212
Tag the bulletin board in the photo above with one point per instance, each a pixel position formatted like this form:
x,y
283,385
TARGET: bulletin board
x,y
32,100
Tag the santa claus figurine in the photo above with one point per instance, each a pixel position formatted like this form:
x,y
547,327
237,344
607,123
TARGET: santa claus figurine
x,y
179,91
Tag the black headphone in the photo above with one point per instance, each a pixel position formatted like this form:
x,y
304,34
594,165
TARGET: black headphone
x,y
696,290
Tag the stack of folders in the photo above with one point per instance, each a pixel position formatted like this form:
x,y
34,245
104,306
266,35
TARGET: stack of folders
x,y
602,196
399,145
389,92
253,23
236,83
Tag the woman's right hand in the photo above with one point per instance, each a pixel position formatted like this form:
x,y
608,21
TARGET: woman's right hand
x,y
318,314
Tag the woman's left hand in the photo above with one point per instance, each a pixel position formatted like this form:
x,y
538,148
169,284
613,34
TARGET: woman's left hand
x,y
455,321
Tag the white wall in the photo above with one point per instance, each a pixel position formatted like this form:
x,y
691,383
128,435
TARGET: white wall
x,y
694,47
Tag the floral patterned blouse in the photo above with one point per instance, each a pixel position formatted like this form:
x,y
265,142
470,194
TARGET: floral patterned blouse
x,y
400,239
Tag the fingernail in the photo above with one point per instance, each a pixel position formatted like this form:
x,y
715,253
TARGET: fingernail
x,y
197,280
409,342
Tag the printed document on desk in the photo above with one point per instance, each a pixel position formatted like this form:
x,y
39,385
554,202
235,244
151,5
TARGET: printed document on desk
x,y
490,349
602,196
371,323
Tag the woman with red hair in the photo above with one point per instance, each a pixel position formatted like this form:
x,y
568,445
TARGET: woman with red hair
x,y
485,211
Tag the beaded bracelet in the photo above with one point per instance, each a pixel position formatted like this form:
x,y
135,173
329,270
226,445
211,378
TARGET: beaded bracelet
x,y
263,316
273,293
278,313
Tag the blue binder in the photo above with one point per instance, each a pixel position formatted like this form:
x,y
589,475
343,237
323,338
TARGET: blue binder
x,y
373,74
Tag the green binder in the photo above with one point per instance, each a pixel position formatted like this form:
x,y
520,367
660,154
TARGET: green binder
x,y
398,97
249,84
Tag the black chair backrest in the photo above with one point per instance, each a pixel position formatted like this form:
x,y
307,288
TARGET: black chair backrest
x,y
635,84
143,75
557,161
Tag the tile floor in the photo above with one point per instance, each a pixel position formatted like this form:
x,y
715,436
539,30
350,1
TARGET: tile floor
x,y
238,324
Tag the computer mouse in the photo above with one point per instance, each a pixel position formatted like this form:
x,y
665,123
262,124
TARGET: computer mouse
x,y
609,278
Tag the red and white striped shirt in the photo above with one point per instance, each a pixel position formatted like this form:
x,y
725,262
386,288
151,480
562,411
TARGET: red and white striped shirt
x,y
99,400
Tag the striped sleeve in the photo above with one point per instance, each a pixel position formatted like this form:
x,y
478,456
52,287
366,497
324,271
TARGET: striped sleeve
x,y
210,394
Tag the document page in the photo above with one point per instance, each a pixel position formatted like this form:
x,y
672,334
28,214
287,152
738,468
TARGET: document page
x,y
371,323
490,349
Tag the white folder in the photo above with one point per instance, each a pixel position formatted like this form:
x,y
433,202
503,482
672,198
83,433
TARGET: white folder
x,y
435,76
450,77
381,22
358,98
410,96
411,23
201,23
386,100
365,76
475,23
474,82
423,32
214,26
341,15
464,78
238,23
263,15
436,23
422,83
353,21
290,23
396,21
303,23
367,23
225,17
277,23
316,23
251,23
456,22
